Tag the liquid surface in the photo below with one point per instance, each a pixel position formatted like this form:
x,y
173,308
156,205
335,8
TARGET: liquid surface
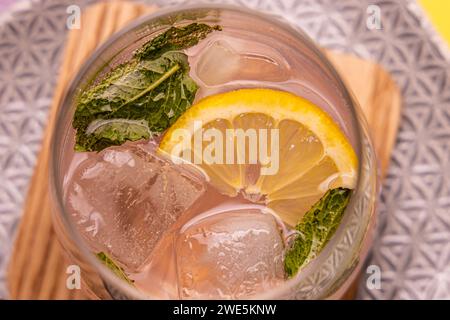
x,y
174,233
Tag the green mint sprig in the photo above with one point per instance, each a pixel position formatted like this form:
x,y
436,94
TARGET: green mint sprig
x,y
315,229
144,95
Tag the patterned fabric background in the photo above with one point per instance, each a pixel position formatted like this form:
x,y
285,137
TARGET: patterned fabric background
x,y
412,248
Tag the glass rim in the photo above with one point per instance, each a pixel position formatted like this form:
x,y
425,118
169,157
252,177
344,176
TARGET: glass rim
x,y
70,92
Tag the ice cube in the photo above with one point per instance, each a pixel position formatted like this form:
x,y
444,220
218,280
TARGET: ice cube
x,y
124,198
229,255
226,60
217,64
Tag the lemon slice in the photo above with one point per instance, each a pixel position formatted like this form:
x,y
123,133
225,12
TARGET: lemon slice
x,y
313,154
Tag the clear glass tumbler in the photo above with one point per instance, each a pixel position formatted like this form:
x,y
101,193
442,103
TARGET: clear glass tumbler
x,y
329,274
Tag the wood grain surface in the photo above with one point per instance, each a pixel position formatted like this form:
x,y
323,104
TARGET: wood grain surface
x,y
37,267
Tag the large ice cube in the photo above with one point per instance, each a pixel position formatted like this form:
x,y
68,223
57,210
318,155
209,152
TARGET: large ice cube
x,y
229,59
124,198
229,255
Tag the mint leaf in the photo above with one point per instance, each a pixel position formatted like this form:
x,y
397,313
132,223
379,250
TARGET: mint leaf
x,y
111,265
117,131
144,95
176,39
316,228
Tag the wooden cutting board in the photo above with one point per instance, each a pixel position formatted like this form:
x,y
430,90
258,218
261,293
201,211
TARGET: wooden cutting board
x,y
37,268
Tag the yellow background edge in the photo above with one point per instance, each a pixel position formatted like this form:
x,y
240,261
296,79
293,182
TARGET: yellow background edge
x,y
438,12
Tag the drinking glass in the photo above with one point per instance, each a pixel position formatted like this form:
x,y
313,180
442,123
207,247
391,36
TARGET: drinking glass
x,y
337,265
